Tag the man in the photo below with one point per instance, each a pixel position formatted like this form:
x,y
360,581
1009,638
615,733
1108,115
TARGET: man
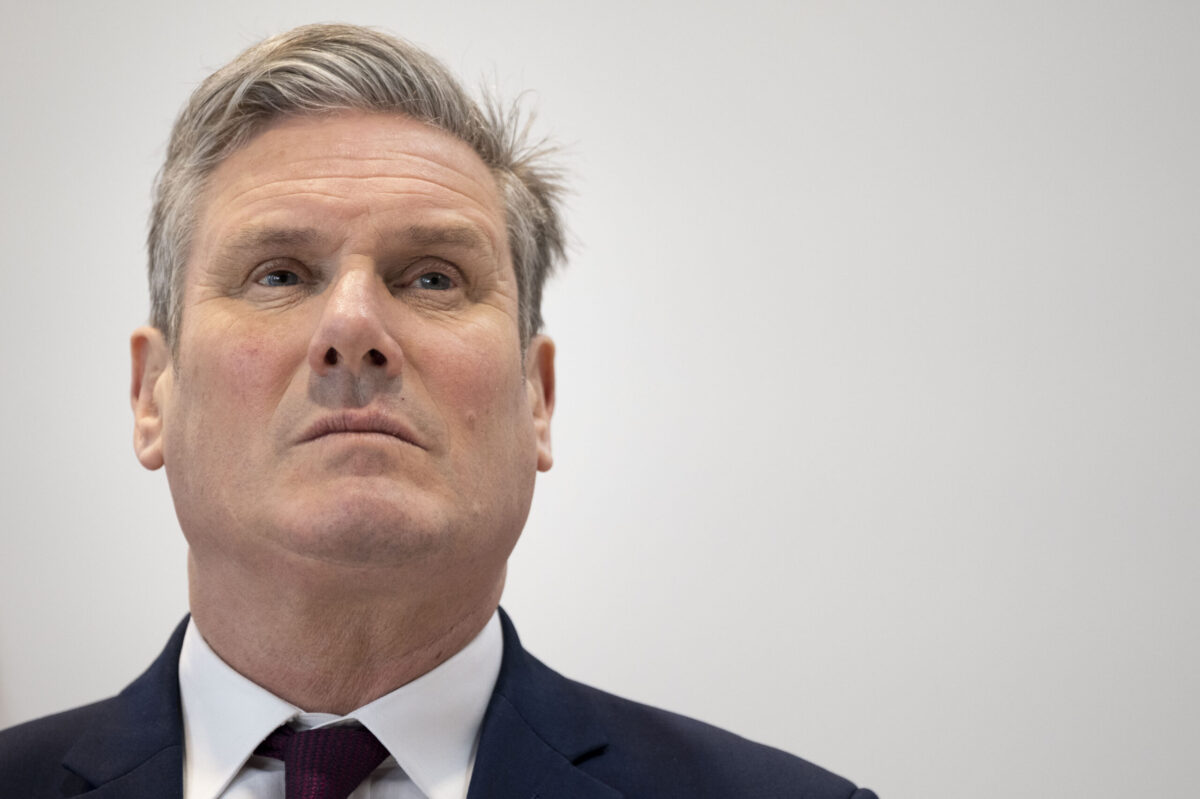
x,y
345,381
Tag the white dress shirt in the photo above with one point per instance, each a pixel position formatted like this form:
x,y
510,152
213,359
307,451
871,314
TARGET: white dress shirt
x,y
430,726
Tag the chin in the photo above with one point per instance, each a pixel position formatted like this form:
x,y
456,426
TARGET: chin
x,y
366,529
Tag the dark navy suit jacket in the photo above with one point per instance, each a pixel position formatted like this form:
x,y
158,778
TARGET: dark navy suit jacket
x,y
543,737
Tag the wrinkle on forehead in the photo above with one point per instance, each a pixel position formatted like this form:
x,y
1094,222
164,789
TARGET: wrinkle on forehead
x,y
404,142
364,156
413,141
484,181
307,187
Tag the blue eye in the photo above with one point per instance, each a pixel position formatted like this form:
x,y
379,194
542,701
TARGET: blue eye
x,y
435,281
280,277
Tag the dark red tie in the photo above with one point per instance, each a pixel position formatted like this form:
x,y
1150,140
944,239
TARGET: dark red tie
x,y
328,763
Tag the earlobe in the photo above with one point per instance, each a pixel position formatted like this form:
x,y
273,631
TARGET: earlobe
x,y
539,381
151,374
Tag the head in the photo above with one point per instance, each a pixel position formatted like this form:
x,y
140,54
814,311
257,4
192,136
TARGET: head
x,y
344,369
322,69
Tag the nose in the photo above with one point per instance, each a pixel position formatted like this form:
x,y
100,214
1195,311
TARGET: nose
x,y
353,333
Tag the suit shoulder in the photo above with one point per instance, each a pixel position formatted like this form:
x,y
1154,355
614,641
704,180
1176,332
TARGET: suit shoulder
x,y
654,752
31,753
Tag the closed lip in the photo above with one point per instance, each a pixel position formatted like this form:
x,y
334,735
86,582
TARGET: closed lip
x,y
360,422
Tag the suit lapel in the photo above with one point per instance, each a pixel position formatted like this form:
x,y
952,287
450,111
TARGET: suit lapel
x,y
136,750
159,777
535,734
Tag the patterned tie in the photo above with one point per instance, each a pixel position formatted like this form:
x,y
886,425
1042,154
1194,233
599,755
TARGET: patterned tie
x,y
328,763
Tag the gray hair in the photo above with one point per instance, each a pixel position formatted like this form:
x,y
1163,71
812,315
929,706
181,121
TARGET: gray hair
x,y
316,69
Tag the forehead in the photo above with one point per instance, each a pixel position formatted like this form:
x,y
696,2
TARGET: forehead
x,y
332,171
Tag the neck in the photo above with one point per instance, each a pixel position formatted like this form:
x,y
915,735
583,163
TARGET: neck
x,y
332,640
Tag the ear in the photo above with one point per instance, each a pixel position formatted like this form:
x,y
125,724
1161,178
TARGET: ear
x,y
151,380
539,382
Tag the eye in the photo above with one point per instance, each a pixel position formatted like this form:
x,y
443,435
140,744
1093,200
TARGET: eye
x,y
435,281
279,277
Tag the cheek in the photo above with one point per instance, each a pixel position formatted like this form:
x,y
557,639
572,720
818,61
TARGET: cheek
x,y
479,389
232,381
250,370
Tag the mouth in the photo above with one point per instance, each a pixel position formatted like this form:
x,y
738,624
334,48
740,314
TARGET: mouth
x,y
360,423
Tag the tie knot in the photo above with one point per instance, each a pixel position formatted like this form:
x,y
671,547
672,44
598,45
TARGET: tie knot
x,y
328,763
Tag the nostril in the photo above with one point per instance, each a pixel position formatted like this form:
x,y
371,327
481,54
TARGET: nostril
x,y
331,356
377,358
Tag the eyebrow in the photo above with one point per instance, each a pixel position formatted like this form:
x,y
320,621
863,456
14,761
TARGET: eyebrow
x,y
261,237
467,236
255,238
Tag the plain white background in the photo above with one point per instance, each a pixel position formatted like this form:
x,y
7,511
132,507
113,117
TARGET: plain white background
x,y
878,374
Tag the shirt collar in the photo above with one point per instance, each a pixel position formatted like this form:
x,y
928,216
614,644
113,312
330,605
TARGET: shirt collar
x,y
430,725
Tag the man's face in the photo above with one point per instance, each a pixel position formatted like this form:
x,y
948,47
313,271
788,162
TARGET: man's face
x,y
349,385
